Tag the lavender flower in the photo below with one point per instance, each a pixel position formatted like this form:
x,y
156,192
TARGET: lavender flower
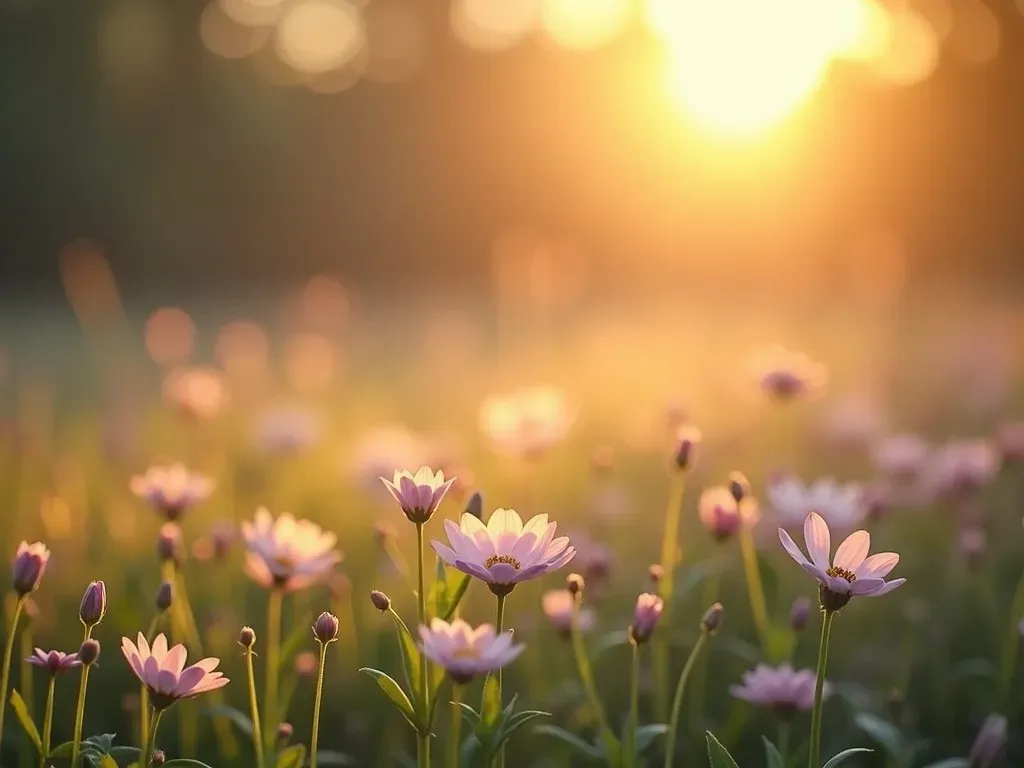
x,y
55,661
465,652
286,553
782,688
646,615
842,506
164,673
171,490
419,494
29,567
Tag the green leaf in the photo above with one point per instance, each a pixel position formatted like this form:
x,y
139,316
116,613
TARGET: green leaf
x,y
125,753
951,762
292,757
718,756
490,708
410,657
471,715
18,705
583,747
455,598
771,755
394,692
646,734
290,647
102,741
519,719
236,716
62,750
841,757
106,761
884,733
329,757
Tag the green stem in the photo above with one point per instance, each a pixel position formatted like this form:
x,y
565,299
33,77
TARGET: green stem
x,y
27,693
147,755
254,711
422,739
499,623
316,705
587,679
80,710
422,749
677,699
456,728
634,706
47,721
814,760
1010,645
5,676
755,588
274,602
700,672
671,555
144,693
784,741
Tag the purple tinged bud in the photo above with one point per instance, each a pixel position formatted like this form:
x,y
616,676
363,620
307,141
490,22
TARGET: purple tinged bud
x,y
739,486
89,651
29,567
475,505
94,604
380,601
687,439
158,758
646,616
655,573
990,744
326,628
168,543
712,619
575,584
247,637
164,597
284,733
799,614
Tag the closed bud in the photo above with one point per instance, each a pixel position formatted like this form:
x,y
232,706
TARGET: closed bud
x,y
247,637
646,616
326,628
29,567
284,733
687,440
739,486
380,601
574,583
94,604
158,758
164,597
89,651
475,505
712,618
799,614
168,543
655,573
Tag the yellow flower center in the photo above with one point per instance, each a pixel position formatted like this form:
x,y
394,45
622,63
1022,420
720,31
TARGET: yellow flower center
x,y
506,559
842,573
468,652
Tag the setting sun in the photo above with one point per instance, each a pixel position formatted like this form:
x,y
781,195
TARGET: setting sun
x,y
741,66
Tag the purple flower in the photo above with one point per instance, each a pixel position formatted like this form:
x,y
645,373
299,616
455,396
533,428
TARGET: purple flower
x,y
171,490
961,466
646,616
94,604
782,688
287,553
54,661
29,567
465,652
419,494
164,673
722,515
786,375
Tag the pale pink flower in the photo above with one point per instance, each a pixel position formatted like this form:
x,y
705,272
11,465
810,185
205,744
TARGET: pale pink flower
x,y
200,393
852,421
722,515
850,573
901,455
842,506
526,423
782,688
420,494
55,661
646,615
287,430
29,567
961,466
171,490
558,605
286,553
1009,439
164,673
504,552
787,375
465,652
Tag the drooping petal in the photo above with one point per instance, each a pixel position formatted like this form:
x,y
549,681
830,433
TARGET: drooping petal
x,y
886,588
820,576
791,548
866,586
819,543
853,551
878,566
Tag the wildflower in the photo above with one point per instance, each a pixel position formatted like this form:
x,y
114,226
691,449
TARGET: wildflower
x,y
722,515
158,758
29,567
842,506
465,652
526,423
164,673
900,455
380,601
990,743
94,604
712,619
786,375
247,637
687,440
782,688
646,616
851,572
326,628
559,605
200,393
171,490
420,494
89,651
504,552
287,431
55,661
286,553
961,466
799,613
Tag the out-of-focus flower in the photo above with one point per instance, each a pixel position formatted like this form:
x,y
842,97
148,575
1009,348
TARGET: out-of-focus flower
x,y
419,494
306,664
972,543
94,604
168,543
786,375
687,440
465,652
55,661
842,506
29,567
504,552
655,573
961,466
901,455
381,449
286,553
1009,440
990,743
164,673
285,731
799,613
722,515
852,421
287,431
782,688
199,393
610,502
646,615
850,573
171,490
217,544
558,607
594,559
526,423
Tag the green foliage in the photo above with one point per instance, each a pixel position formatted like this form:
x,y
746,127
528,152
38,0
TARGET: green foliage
x,y
718,755
772,757
395,693
291,757
18,705
840,758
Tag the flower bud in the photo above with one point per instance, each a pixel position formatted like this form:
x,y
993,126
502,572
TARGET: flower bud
x,y
712,619
164,596
158,758
168,543
475,505
29,567
574,583
89,651
326,628
380,601
94,604
799,613
687,439
247,637
646,616
739,486
284,733
655,573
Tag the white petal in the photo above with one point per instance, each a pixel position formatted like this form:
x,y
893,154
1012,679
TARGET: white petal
x,y
853,551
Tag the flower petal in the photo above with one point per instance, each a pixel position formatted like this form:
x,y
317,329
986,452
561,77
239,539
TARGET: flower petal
x,y
866,586
791,548
886,588
878,566
819,543
853,551
820,576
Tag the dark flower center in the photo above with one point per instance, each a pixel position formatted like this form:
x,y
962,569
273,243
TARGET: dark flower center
x,y
506,559
842,573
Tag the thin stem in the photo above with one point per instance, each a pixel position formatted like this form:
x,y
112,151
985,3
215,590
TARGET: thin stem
x,y
677,699
755,588
700,672
784,741
422,739
422,749
671,555
80,710
27,693
455,730
634,705
147,755
254,711
5,676
316,705
47,721
499,623
587,679
826,628
274,602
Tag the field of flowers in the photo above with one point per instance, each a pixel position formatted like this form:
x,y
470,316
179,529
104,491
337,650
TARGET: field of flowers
x,y
412,540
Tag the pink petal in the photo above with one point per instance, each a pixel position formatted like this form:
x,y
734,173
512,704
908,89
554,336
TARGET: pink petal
x,y
208,664
166,681
791,548
819,543
888,587
175,660
878,566
866,586
820,576
838,585
150,670
852,551
189,679
445,553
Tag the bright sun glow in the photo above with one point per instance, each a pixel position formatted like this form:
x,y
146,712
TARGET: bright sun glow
x,y
741,66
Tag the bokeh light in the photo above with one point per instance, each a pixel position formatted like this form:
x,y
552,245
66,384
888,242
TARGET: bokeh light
x,y
316,36
493,25
226,37
397,41
309,361
242,349
170,336
583,24
912,53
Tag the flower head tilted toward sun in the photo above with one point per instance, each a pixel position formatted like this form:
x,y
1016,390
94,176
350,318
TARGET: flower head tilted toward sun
x,y
842,506
786,375
465,652
851,573
420,494
504,552
54,661
171,490
164,673
784,689
286,553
